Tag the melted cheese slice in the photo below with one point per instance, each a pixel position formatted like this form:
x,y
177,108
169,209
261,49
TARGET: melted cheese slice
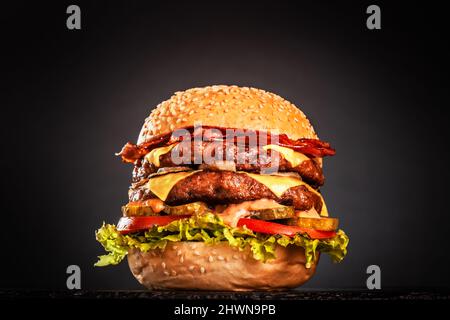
x,y
279,184
295,158
153,156
161,185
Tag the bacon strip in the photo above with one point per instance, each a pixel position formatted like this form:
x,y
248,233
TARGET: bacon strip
x,y
310,147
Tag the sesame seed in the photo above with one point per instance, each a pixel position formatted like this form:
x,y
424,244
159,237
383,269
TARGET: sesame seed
x,y
191,268
210,259
174,273
220,258
202,270
175,247
163,264
181,259
196,253
166,273
235,257
179,253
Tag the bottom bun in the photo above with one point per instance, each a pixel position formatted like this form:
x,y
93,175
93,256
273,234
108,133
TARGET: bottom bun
x,y
218,267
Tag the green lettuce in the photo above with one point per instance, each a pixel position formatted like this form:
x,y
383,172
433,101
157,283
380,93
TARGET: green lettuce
x,y
210,229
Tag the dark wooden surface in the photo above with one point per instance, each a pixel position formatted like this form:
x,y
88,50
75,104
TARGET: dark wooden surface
x,y
325,295
162,305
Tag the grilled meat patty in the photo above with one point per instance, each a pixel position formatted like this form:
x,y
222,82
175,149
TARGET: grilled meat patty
x,y
245,159
223,187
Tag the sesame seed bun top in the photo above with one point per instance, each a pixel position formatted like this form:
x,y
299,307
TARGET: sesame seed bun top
x,y
228,107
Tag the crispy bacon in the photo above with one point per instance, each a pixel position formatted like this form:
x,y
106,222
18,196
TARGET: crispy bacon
x,y
313,148
132,152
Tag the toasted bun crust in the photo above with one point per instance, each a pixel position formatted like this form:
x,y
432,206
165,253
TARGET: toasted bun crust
x,y
198,266
228,107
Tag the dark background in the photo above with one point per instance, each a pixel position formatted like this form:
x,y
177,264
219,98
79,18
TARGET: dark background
x,y
70,99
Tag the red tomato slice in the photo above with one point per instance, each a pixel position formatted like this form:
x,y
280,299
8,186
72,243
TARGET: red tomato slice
x,y
277,228
134,224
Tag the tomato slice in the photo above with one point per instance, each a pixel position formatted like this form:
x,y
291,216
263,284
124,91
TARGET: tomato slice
x,y
277,228
134,224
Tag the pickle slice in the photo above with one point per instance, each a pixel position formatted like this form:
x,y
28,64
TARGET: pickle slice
x,y
132,211
323,224
189,208
281,212
150,207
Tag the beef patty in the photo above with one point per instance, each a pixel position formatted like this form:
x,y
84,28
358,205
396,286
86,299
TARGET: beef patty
x,y
309,170
223,187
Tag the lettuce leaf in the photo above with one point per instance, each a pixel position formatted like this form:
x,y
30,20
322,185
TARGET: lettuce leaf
x,y
210,229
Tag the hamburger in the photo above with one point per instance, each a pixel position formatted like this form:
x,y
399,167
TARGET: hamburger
x,y
225,195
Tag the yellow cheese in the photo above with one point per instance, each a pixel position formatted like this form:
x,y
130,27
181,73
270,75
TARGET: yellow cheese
x,y
295,158
279,184
161,185
153,156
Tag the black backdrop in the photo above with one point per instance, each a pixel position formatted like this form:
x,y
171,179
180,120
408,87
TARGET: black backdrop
x,y
70,99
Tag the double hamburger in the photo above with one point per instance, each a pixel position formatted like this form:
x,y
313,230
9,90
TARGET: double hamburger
x,y
225,195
